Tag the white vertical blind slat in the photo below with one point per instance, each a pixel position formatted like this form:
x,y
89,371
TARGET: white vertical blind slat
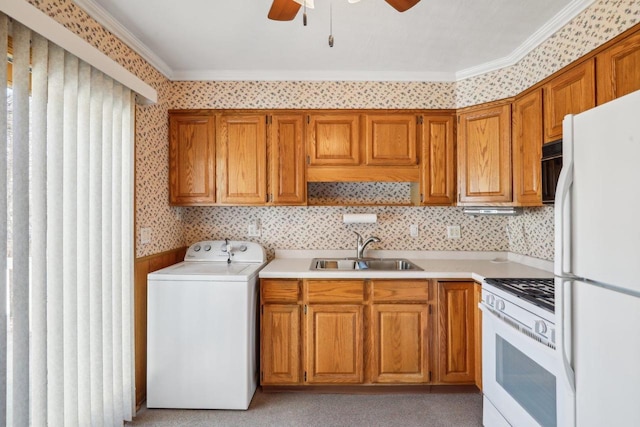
x,y
55,233
4,40
107,265
39,77
116,250
127,204
69,242
19,307
83,277
95,247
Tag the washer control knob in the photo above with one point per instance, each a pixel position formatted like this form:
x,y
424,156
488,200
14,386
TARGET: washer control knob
x,y
196,248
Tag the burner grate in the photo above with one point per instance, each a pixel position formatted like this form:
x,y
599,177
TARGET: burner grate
x,y
537,291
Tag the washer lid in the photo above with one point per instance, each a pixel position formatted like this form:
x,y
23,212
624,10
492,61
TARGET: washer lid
x,y
208,271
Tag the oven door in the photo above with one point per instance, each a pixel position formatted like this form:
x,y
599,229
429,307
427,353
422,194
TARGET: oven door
x,y
518,375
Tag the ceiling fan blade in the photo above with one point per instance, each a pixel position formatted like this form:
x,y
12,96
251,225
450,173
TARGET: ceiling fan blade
x,y
402,5
283,10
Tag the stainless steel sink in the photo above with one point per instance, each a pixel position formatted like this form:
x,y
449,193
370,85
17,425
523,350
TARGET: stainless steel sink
x,y
353,264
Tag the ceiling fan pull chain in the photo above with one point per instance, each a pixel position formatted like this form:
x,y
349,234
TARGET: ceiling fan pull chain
x,y
331,24
304,13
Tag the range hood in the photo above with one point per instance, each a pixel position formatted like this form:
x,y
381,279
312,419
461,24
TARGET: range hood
x,y
492,210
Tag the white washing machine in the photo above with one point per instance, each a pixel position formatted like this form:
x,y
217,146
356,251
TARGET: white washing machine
x,y
201,328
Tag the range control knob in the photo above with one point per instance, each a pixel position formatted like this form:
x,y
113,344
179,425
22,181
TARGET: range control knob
x,y
207,248
500,305
540,327
491,300
196,248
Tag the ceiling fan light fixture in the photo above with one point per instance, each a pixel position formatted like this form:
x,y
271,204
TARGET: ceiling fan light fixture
x,y
306,3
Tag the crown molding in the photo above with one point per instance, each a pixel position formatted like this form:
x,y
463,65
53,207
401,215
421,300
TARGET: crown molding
x,y
561,19
105,19
310,75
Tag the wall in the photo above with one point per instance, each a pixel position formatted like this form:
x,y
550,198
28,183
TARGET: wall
x,y
530,234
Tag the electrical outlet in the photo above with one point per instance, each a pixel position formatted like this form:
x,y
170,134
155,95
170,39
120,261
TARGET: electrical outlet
x,y
253,230
453,231
413,230
145,235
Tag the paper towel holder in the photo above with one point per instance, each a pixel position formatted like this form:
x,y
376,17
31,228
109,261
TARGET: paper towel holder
x,y
361,218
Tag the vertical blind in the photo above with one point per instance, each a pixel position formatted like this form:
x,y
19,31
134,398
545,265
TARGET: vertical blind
x,y
66,227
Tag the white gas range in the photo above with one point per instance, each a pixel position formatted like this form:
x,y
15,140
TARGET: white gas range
x,y
520,364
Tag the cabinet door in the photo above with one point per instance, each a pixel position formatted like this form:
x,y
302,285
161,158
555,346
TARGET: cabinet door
x,y
191,159
280,344
288,184
333,139
391,139
572,92
400,350
241,159
438,162
527,149
618,69
334,344
484,155
456,332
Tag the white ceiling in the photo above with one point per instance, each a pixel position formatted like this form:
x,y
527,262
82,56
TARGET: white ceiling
x,y
436,40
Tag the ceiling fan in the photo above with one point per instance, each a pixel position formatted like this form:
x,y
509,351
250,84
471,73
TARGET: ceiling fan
x,y
286,10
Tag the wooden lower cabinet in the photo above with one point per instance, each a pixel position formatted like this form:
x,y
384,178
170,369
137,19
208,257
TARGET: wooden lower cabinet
x,y
368,332
281,352
334,344
280,332
456,332
400,343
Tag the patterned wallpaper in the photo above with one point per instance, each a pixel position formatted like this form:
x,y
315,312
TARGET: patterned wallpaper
x,y
317,227
321,227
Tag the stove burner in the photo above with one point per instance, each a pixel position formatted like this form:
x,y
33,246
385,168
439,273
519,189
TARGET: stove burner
x,y
537,291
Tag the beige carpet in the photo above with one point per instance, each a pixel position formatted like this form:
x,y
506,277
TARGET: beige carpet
x,y
328,410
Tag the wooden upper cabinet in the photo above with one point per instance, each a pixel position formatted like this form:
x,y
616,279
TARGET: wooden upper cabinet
x,y
437,173
484,154
287,163
456,335
334,342
191,159
241,159
400,350
571,92
527,149
333,139
391,139
618,69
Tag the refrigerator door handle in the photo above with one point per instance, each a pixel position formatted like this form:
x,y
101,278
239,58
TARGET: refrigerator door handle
x,y
562,265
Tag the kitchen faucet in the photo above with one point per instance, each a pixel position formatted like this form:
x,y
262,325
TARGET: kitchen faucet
x,y
361,245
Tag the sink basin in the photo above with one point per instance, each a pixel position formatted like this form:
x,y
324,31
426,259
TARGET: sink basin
x,y
378,264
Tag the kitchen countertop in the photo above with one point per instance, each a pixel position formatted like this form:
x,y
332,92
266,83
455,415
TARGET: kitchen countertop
x,y
436,265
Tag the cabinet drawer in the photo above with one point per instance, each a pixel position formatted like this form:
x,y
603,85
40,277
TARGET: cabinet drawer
x,y
335,291
280,290
400,290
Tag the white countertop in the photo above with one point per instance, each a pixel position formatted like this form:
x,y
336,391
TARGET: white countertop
x,y
436,265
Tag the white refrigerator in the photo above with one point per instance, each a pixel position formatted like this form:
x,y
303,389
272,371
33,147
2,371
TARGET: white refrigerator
x,y
597,265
